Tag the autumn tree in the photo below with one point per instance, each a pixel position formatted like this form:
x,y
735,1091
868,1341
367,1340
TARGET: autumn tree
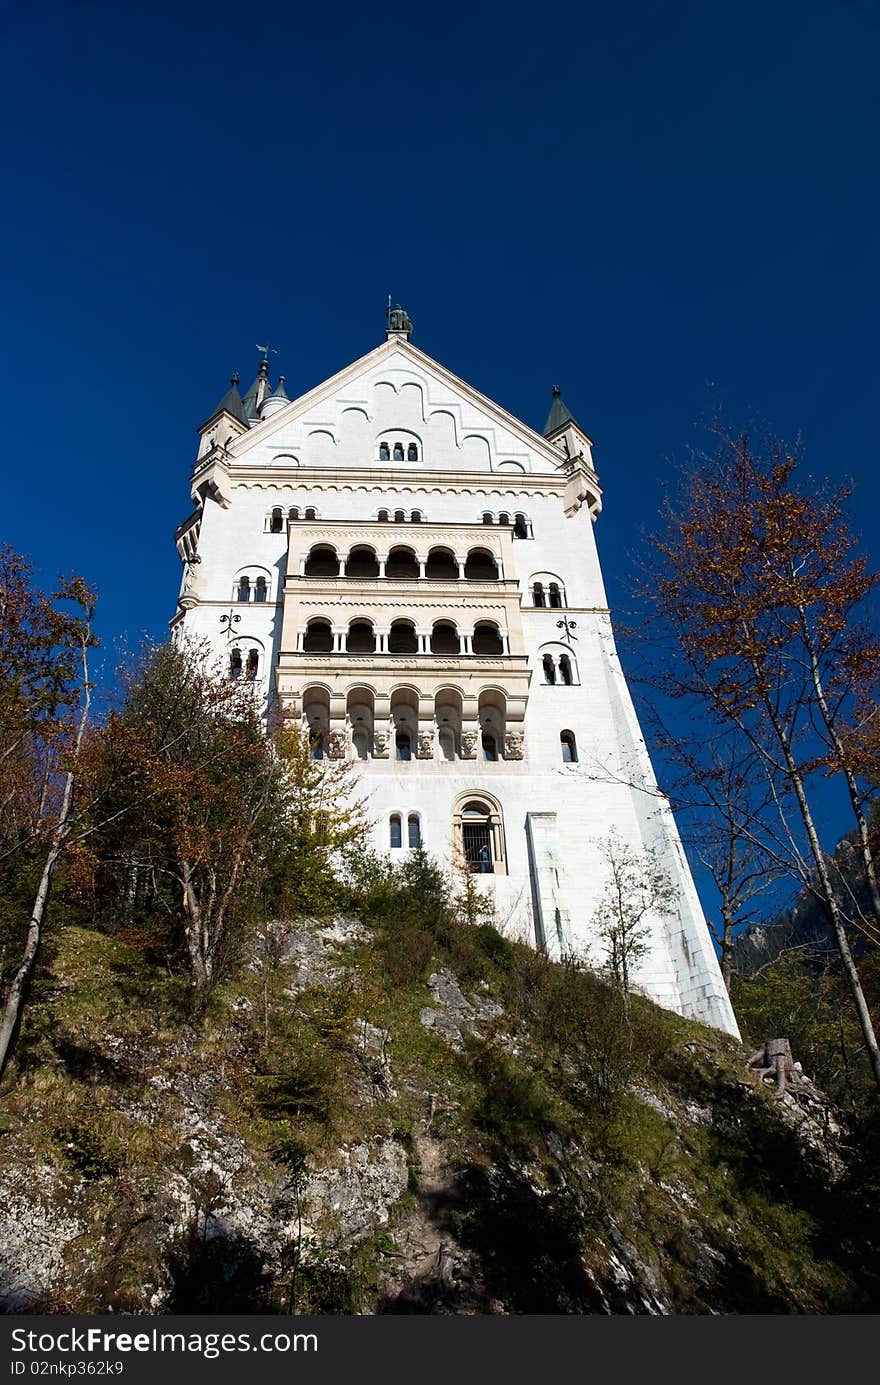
x,y
203,815
759,584
45,696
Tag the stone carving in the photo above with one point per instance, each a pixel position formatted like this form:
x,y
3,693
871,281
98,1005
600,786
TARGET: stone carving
x,y
426,746
468,745
380,744
190,579
337,745
513,745
189,596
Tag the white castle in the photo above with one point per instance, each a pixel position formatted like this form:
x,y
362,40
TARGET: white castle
x,y
410,572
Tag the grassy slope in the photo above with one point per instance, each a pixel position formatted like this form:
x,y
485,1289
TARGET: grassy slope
x,y
562,1159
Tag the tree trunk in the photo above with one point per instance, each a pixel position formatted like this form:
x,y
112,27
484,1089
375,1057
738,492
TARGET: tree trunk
x,y
827,893
726,943
852,786
18,989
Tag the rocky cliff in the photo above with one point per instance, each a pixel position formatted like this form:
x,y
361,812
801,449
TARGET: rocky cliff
x,y
404,1116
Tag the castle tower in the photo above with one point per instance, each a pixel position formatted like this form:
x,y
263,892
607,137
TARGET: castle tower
x,y
410,572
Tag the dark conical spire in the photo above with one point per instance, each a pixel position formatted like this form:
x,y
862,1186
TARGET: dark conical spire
x,y
257,390
560,414
280,392
232,402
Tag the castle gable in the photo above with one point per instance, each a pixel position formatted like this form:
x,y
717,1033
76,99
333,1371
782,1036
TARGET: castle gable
x,y
395,408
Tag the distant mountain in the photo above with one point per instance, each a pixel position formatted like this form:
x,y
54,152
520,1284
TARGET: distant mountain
x,y
805,923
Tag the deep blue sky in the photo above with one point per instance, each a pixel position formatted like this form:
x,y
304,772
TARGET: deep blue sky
x,y
662,206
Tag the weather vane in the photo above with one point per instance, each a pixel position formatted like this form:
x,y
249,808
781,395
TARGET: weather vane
x,y
266,349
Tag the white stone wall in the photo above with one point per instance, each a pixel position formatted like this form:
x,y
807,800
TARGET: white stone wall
x,y
323,452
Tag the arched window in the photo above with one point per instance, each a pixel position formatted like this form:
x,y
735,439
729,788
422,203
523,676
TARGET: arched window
x,y
235,663
402,638
311,513
549,669
316,741
480,566
520,527
568,746
403,745
293,512
277,521
398,452
395,832
444,638
384,452
412,453
414,830
555,595
479,835
244,589
253,663
361,638
503,518
441,566
361,562
322,561
318,638
382,516
487,518
260,589
538,594
565,669
490,747
416,517
487,642
401,565
399,516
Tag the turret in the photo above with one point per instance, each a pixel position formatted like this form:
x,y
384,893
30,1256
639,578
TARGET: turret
x,y
258,390
227,421
275,401
564,433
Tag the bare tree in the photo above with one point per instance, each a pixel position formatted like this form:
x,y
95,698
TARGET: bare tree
x,y
759,585
637,887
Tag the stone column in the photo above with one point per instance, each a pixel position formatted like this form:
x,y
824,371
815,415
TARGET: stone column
x,y
340,639
505,642
424,638
302,565
422,562
382,641
465,637
382,561
341,572
461,576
